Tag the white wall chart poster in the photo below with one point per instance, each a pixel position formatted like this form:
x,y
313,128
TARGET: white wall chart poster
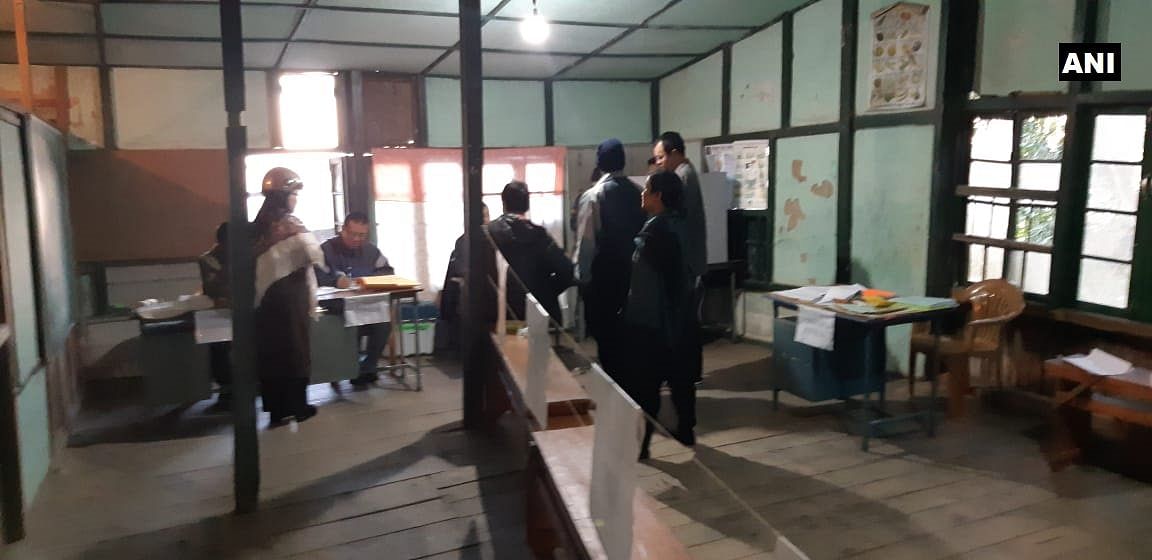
x,y
899,46
752,173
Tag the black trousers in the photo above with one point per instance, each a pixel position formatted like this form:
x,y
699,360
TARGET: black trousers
x,y
220,359
284,396
650,369
377,336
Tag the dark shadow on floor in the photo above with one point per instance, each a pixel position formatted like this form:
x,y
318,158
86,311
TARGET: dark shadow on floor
x,y
493,453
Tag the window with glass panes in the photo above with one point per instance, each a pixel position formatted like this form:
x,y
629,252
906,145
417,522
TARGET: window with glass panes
x,y
1011,202
1013,186
1111,213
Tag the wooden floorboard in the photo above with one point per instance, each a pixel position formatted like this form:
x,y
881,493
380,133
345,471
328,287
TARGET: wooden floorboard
x,y
388,474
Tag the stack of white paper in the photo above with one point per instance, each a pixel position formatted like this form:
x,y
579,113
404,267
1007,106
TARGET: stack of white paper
x,y
1099,362
805,293
842,293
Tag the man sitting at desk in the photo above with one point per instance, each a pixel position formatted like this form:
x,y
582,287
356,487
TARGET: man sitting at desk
x,y
214,281
351,256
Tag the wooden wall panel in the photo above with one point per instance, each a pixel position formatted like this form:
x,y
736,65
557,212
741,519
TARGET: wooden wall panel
x,y
129,205
390,110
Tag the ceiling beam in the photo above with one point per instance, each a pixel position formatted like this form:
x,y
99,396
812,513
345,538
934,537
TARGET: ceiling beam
x,y
295,28
483,21
617,38
394,11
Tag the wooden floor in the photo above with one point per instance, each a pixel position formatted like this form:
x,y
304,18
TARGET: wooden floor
x,y
388,474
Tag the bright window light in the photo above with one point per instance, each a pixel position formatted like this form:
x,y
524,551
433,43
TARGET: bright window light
x,y
308,118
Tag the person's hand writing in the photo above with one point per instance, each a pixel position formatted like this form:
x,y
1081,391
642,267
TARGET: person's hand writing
x,y
343,282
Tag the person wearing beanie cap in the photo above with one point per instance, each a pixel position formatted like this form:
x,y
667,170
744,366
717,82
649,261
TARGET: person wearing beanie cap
x,y
608,220
285,253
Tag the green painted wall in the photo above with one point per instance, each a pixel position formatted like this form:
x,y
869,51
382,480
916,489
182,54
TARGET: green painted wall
x,y
804,247
513,113
1019,45
816,63
1126,22
17,229
755,83
690,99
891,200
35,435
586,113
864,55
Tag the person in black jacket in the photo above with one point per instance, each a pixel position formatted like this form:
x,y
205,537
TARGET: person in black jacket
x,y
609,218
660,314
538,264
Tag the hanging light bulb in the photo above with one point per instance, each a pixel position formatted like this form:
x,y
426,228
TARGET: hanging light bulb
x,y
534,28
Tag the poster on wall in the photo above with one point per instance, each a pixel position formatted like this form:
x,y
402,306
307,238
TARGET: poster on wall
x,y
745,164
752,173
898,75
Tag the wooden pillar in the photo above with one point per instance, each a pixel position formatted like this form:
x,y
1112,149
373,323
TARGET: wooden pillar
x,y
475,336
246,446
25,69
63,101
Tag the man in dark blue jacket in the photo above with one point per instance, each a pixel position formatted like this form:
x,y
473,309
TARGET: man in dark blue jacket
x,y
608,220
351,256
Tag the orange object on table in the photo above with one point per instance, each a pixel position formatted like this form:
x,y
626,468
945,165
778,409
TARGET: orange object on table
x,y
388,283
873,292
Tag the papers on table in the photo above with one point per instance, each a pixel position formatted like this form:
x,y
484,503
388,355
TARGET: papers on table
x,y
841,293
815,327
1099,362
213,325
920,303
324,291
367,310
805,293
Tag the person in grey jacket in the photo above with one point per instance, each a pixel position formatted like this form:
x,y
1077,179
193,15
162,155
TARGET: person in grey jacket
x,y
609,218
669,154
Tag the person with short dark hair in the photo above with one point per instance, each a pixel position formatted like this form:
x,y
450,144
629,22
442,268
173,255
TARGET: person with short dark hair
x,y
214,284
451,296
349,256
609,218
670,156
540,266
659,312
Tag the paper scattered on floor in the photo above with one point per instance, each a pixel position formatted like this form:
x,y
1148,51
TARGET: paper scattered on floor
x,y
1099,362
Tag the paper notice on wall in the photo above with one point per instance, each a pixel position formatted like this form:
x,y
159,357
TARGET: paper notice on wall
x,y
815,327
619,427
539,350
752,173
720,158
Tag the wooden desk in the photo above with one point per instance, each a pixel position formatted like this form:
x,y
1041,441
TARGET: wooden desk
x,y
874,360
559,474
567,402
1074,406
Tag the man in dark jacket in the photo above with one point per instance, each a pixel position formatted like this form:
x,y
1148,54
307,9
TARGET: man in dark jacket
x,y
539,265
609,218
351,256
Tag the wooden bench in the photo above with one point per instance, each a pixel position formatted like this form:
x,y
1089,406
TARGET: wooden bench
x,y
568,404
1074,406
558,516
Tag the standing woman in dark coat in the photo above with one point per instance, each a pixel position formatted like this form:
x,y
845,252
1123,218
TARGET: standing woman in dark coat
x,y
660,310
285,253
